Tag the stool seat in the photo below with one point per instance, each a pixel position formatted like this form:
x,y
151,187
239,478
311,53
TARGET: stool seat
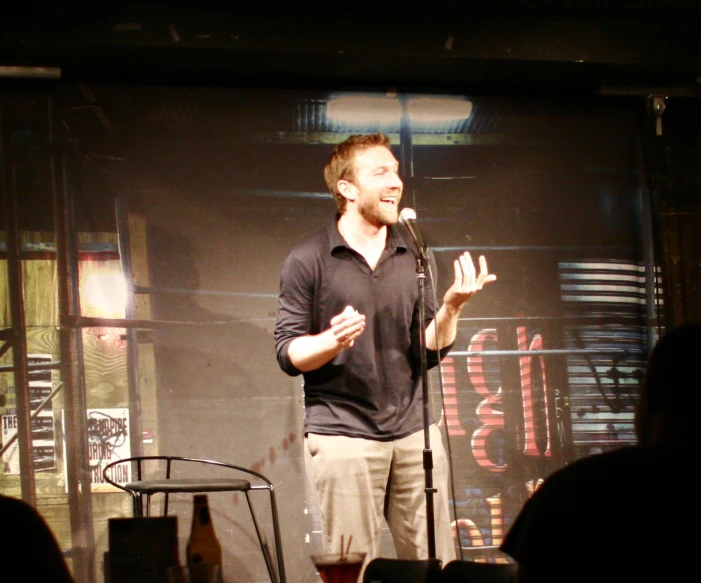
x,y
189,485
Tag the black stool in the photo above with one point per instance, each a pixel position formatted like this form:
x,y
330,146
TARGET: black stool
x,y
144,488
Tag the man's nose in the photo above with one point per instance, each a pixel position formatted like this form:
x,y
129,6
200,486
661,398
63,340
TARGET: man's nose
x,y
395,181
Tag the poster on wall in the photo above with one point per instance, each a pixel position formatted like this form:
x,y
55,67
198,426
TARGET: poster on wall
x,y
43,437
10,459
40,383
108,441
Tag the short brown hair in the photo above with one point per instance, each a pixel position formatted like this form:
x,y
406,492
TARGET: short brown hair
x,y
340,165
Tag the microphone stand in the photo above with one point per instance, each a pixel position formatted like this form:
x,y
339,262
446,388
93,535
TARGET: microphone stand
x,y
422,264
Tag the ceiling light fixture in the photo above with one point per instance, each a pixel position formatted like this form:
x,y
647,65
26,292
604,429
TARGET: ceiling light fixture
x,y
374,110
30,72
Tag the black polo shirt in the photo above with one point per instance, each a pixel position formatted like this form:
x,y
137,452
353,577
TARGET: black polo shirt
x,y
373,389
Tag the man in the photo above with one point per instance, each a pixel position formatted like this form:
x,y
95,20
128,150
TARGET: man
x,y
348,321
629,514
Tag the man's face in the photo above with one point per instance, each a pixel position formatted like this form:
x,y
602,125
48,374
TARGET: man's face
x,y
378,188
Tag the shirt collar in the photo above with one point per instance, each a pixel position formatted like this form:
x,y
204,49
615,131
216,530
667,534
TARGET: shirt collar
x,y
395,241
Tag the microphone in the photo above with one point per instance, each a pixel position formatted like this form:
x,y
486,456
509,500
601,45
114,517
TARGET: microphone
x,y
408,218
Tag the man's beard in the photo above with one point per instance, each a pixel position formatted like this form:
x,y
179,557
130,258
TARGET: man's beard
x,y
376,215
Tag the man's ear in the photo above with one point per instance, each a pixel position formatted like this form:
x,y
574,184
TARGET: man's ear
x,y
347,189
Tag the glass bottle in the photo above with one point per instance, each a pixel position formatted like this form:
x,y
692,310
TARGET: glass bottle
x,y
203,547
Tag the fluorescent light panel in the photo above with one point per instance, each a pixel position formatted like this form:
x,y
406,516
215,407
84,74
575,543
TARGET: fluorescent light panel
x,y
30,72
368,110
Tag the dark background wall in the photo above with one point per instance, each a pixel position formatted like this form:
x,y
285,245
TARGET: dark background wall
x,y
507,47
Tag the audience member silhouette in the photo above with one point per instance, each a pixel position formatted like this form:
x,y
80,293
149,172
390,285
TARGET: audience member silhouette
x,y
28,546
629,514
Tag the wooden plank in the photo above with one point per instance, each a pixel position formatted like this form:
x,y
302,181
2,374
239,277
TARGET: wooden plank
x,y
146,357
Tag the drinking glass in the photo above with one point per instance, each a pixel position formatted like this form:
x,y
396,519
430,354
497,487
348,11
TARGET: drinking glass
x,y
339,567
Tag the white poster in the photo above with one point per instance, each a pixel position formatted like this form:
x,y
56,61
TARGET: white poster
x,y
108,441
10,459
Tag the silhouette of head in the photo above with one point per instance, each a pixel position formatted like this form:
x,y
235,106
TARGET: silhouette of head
x,y
666,409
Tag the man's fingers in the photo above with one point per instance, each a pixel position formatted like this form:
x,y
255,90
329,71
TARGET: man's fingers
x,y
347,314
348,336
465,274
458,272
467,280
468,266
347,326
485,276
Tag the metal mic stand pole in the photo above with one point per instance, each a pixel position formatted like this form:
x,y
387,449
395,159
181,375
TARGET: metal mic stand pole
x,y
421,266
422,263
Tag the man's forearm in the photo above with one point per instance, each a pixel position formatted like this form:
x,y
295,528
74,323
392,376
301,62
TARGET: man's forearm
x,y
446,320
310,352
